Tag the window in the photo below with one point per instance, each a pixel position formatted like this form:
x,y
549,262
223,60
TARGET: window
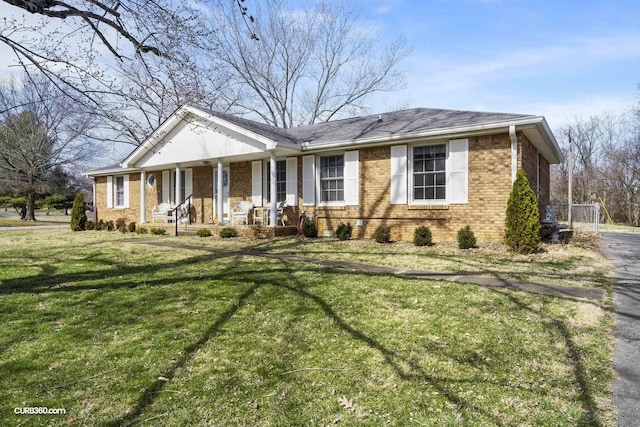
x,y
429,172
119,187
332,178
281,181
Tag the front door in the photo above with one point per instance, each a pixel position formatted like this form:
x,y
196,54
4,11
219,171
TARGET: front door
x,y
224,216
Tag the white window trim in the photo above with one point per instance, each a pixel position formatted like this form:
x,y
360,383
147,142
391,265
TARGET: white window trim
x,y
410,188
112,193
319,201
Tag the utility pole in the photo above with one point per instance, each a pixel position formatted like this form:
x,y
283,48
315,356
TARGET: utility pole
x,y
570,195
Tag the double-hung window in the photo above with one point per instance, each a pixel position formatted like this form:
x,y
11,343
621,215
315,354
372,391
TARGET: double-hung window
x,y
119,190
332,178
281,181
429,173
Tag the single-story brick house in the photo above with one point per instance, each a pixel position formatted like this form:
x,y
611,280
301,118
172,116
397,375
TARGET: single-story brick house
x,y
441,168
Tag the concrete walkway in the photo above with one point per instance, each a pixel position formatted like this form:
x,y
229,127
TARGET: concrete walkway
x,y
476,279
624,251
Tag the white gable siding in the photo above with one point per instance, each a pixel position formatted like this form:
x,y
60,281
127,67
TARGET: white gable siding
x,y
195,142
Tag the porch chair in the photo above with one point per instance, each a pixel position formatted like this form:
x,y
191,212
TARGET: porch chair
x,y
280,212
161,211
241,211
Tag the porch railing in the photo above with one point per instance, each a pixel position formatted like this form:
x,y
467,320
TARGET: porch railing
x,y
179,212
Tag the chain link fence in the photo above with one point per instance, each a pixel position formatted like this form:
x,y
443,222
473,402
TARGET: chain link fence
x,y
585,218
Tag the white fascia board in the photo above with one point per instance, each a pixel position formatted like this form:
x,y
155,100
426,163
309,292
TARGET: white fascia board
x,y
105,172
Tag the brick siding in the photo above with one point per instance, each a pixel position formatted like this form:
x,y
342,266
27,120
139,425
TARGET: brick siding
x,y
489,187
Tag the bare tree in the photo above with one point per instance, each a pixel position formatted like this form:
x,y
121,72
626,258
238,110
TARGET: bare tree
x,y
42,134
307,66
154,92
130,62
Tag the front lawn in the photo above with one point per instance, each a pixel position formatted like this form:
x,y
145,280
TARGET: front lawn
x,y
119,332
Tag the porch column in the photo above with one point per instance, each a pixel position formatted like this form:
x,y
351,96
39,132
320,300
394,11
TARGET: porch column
x,y
178,186
143,197
273,190
220,195
93,199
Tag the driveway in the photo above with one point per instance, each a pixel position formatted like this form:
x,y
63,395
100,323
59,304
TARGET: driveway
x,y
624,251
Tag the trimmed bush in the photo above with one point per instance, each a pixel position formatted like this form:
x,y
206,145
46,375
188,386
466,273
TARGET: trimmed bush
x,y
158,231
309,228
522,225
343,232
121,225
228,232
99,225
109,226
422,236
466,238
141,230
89,225
78,215
131,228
203,232
382,234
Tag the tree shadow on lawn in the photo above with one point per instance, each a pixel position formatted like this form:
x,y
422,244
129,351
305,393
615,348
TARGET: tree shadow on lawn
x,y
574,356
49,281
406,368
464,265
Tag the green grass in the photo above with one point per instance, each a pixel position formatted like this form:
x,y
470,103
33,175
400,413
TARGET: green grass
x,y
120,332
13,222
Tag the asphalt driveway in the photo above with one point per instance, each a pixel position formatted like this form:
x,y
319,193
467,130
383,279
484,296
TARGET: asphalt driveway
x,y
624,251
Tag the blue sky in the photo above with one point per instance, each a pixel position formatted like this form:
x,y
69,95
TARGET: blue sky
x,y
561,59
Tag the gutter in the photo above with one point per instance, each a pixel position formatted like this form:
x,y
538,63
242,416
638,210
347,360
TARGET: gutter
x,y
514,152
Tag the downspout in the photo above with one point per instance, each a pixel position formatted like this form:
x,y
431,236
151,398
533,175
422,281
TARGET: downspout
x,y
514,152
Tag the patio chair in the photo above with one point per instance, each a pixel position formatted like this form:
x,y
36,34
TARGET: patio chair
x,y
241,211
280,212
161,211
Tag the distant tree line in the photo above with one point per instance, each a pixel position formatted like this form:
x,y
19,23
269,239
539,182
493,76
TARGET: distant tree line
x,y
606,165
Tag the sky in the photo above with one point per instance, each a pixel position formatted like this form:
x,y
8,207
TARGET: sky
x,y
565,60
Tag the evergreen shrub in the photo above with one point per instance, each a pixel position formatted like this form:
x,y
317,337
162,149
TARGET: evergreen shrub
x,y
466,238
382,234
78,215
422,236
343,232
309,228
522,224
228,232
121,225
203,232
